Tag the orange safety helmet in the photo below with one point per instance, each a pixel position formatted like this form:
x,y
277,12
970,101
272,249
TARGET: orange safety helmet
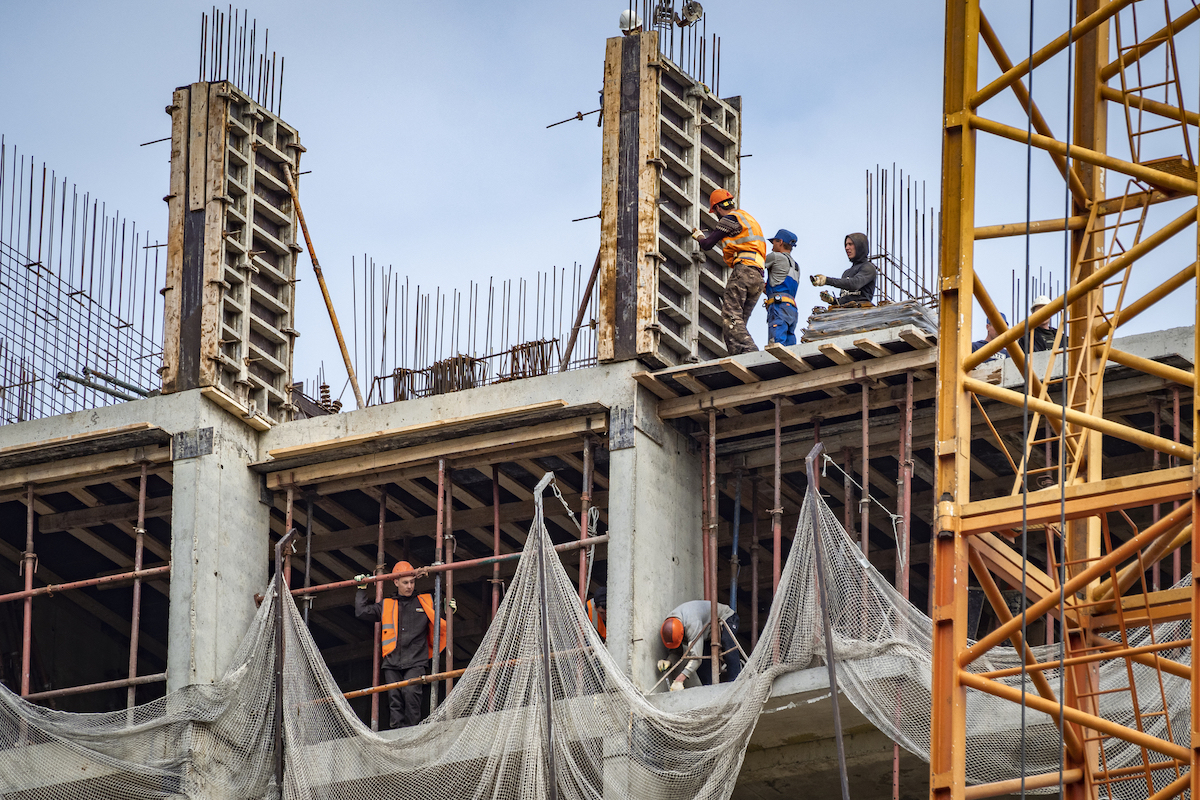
x,y
672,633
402,566
718,196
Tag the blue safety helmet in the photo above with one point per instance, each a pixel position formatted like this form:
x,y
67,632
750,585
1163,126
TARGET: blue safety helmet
x,y
786,236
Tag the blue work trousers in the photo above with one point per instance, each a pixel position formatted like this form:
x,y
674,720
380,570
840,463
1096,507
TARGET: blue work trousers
x,y
781,323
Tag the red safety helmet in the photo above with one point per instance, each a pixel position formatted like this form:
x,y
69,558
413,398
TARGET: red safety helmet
x,y
672,633
718,196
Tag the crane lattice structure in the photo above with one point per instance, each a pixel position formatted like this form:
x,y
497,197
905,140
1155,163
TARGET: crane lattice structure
x,y
1108,537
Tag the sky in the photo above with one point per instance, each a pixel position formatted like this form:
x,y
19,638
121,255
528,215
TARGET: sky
x,y
425,125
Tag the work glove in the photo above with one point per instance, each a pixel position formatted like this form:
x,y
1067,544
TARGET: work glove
x,y
677,685
697,234
827,297
664,665
361,578
818,280
453,604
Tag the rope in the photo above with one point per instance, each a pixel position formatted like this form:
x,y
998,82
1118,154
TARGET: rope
x,y
894,518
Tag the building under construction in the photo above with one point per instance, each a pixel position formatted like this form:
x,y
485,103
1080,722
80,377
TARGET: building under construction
x,y
986,549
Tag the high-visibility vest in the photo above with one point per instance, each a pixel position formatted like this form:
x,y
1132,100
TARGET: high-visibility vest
x,y
594,615
391,616
747,245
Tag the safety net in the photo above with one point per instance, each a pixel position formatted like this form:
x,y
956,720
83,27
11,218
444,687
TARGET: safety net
x,y
543,711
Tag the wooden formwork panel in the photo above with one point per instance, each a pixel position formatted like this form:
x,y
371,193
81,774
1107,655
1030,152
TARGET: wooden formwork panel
x,y
230,291
668,143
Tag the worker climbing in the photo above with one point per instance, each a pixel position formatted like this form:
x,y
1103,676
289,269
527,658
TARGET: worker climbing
x,y
857,283
745,252
685,634
783,279
407,641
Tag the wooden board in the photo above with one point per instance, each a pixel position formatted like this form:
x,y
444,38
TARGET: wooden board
x,y
649,381
475,446
788,358
796,384
94,465
102,515
738,370
607,280
107,440
176,204
438,428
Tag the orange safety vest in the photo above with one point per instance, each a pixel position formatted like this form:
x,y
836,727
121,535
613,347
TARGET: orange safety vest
x,y
747,245
391,616
597,623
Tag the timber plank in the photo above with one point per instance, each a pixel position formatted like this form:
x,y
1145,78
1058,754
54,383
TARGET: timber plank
x,y
835,354
788,358
872,347
657,387
478,447
102,515
738,370
823,379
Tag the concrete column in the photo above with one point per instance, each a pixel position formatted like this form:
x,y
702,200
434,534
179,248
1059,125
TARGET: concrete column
x,y
219,544
654,557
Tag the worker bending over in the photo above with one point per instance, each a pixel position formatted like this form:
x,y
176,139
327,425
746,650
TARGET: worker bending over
x,y
745,252
407,642
687,628
858,282
783,279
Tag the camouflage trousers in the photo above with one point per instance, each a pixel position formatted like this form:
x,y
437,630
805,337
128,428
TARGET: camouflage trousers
x,y
744,286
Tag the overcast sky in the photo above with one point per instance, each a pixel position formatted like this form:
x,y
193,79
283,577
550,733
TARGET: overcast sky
x,y
425,124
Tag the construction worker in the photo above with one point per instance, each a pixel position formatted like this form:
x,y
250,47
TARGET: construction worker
x,y
745,252
858,282
1043,335
990,333
597,611
685,633
407,641
783,279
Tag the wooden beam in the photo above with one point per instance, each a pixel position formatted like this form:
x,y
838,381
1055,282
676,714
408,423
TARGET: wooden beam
x,y
478,447
788,358
103,515
738,370
657,387
93,467
816,380
835,354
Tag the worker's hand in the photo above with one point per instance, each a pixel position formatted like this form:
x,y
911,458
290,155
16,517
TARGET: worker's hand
x,y
697,234
818,280
766,303
664,665
362,578
453,604
421,572
677,684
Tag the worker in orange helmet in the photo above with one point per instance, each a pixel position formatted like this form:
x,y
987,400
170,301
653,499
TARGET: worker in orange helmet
x,y
407,641
745,251
685,634
597,612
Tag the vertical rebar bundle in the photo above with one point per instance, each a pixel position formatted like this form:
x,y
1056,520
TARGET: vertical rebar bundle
x,y
79,300
903,232
229,52
410,341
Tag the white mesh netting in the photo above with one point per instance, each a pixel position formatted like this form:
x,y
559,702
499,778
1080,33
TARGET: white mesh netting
x,y
489,738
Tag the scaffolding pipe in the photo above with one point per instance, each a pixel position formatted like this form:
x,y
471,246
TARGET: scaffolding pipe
x,y
438,544
377,650
280,586
486,561
54,588
289,524
814,486
713,624
28,566
449,543
97,687
704,514
495,539
135,623
308,555
754,562
777,509
737,524
864,503
585,503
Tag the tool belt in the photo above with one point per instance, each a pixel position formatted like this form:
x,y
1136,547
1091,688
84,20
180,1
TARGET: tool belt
x,y
781,298
749,262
